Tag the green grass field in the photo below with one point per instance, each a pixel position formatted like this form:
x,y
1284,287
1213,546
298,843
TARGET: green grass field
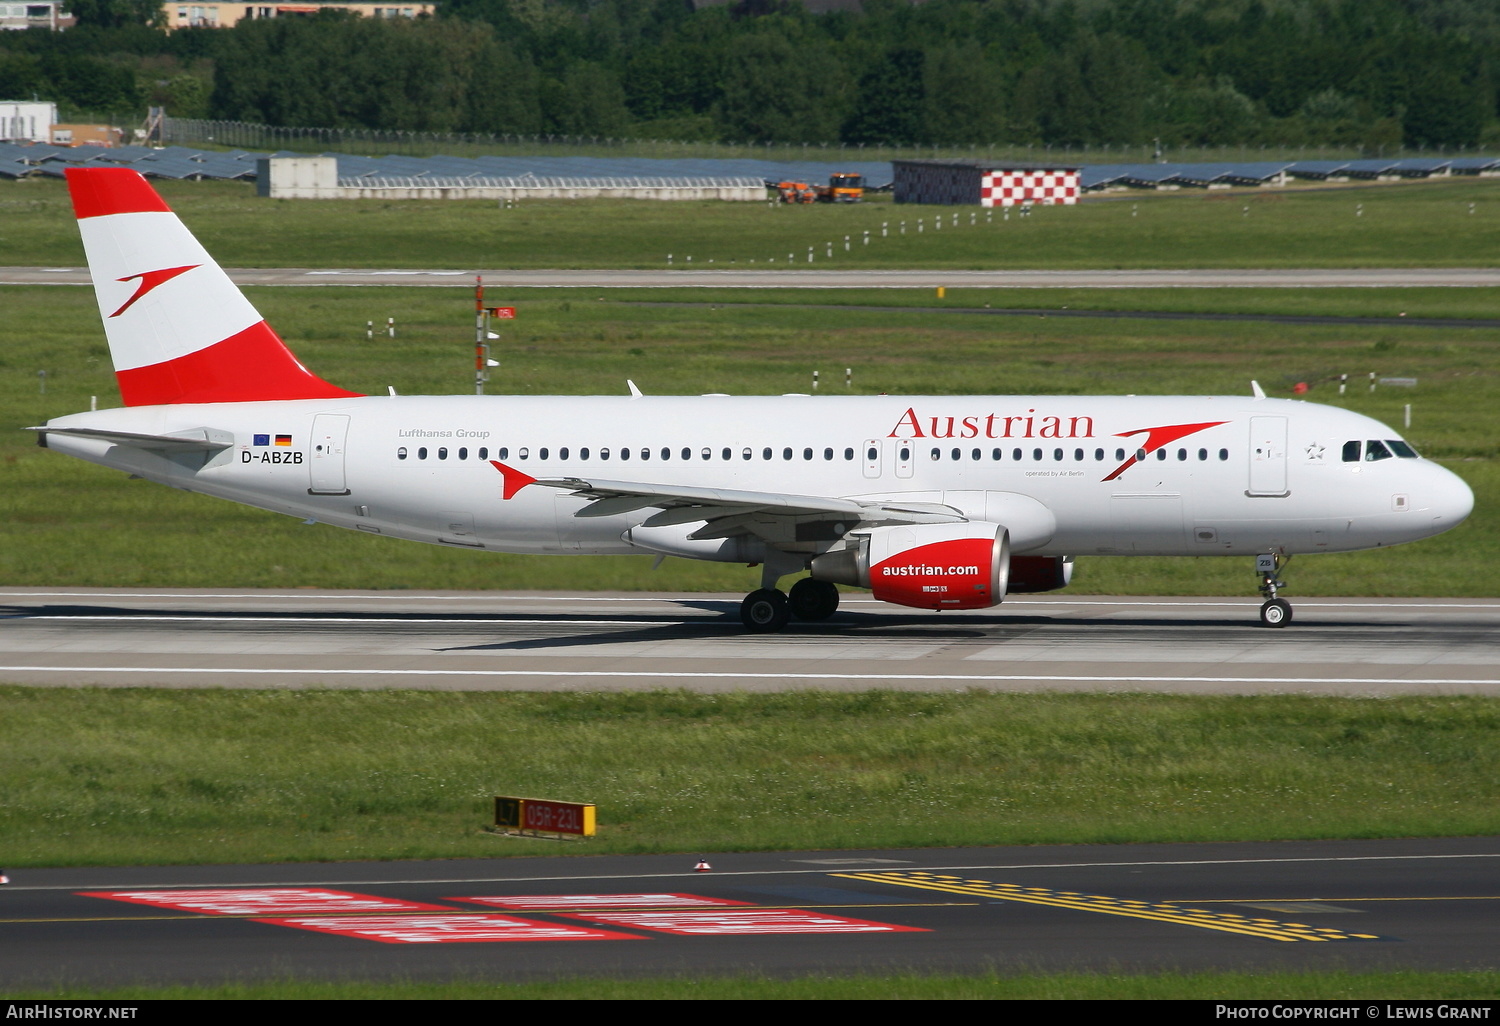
x,y
1281,986
127,776
1426,224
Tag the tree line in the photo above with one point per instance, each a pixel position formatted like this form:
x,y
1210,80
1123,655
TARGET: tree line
x,y
1368,73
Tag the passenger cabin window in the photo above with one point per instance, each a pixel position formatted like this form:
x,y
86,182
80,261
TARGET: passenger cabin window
x,y
401,453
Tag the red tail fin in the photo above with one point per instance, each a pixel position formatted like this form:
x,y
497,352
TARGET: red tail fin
x,y
179,330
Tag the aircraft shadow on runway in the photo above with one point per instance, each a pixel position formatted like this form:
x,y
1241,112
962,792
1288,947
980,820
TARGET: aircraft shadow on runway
x,y
548,630
991,629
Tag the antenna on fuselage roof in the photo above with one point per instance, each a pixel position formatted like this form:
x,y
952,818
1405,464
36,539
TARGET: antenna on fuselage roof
x,y
1256,390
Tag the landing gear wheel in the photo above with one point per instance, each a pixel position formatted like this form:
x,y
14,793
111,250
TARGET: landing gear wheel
x,y
765,611
1276,613
813,600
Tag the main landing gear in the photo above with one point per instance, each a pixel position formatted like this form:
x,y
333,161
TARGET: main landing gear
x,y
1274,612
769,609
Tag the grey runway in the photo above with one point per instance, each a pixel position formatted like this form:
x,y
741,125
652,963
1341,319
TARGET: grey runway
x,y
1292,905
600,641
1371,277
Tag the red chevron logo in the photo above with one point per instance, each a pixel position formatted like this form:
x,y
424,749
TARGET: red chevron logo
x,y
1156,437
149,281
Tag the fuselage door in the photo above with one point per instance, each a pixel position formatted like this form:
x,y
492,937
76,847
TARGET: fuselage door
x,y
1268,457
325,458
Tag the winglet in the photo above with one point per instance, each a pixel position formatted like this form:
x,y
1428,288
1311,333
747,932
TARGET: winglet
x,y
515,479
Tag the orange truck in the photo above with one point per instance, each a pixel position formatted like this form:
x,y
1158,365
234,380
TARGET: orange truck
x,y
844,187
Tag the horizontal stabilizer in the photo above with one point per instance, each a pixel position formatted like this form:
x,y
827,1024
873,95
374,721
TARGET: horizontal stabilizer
x,y
195,439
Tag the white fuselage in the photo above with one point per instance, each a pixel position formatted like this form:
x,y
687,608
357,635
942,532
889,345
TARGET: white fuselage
x,y
1268,475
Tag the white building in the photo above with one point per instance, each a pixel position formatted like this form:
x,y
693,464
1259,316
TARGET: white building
x,y
27,121
47,14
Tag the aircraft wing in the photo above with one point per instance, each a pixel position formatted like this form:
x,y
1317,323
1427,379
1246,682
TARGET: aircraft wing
x,y
732,511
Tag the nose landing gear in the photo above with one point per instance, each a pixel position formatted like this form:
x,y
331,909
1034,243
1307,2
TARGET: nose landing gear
x,y
1274,612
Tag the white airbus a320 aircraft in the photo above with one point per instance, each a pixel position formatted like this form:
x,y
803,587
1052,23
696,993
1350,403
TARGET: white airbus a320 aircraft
x,y
936,502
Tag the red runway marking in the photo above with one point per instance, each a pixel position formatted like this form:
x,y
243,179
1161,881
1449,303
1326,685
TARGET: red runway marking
x,y
447,929
576,901
271,901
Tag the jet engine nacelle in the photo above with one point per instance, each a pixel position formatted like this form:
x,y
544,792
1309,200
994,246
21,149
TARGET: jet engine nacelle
x,y
1030,574
928,566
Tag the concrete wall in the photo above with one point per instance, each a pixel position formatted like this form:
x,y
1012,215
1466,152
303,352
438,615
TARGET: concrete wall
x,y
297,177
317,178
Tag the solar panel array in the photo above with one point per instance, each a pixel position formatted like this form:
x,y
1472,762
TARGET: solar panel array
x,y
641,172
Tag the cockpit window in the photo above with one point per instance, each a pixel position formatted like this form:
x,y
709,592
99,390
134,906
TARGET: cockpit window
x,y
1401,449
1353,451
1376,451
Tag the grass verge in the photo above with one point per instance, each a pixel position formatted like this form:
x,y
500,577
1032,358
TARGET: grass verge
x,y
146,776
1424,224
1283,986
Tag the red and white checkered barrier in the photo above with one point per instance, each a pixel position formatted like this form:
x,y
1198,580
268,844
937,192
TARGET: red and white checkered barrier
x,y
1018,188
975,184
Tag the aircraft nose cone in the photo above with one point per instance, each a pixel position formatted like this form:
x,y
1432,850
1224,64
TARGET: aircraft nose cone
x,y
1448,499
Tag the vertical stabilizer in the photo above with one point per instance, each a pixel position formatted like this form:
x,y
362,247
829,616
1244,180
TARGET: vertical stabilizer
x,y
179,330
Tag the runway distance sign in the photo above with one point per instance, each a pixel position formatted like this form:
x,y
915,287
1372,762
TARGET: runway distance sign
x,y
543,816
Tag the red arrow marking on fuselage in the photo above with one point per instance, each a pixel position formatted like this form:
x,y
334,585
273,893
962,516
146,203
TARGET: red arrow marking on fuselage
x,y
1157,437
515,479
149,281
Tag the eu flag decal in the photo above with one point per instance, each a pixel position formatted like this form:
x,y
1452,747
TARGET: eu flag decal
x,y
262,439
